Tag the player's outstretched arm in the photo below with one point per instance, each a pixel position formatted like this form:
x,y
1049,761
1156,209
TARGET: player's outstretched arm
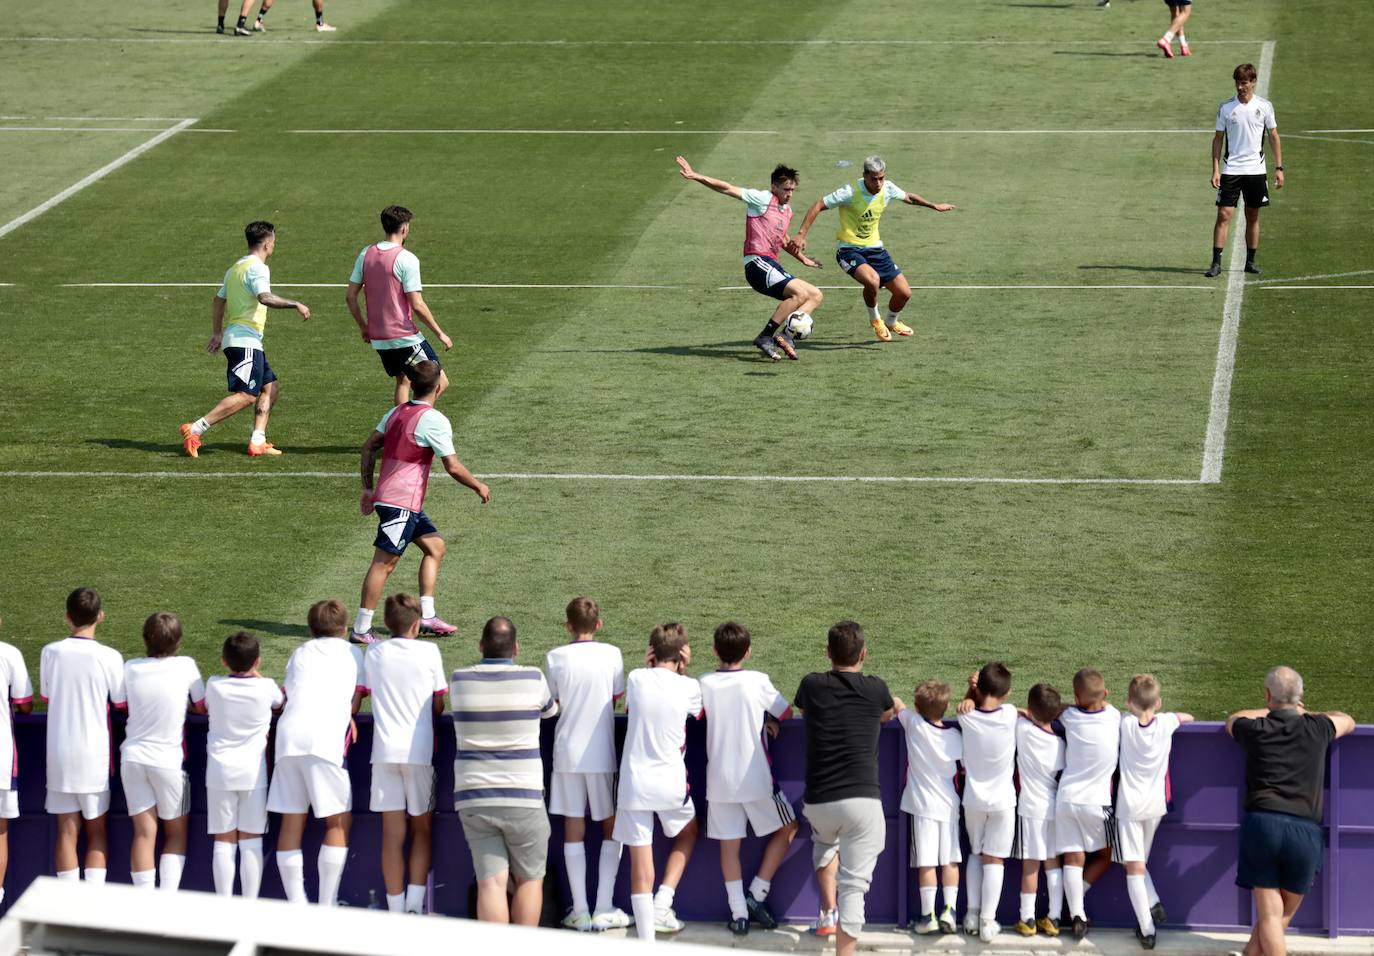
x,y
216,324
719,185
351,300
816,209
274,301
459,473
914,200
417,303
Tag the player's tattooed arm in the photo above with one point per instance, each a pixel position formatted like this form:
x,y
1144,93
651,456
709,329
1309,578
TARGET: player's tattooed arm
x,y
216,324
274,301
816,209
369,462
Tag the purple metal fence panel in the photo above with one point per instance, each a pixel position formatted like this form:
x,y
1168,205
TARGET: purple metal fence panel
x,y
1193,862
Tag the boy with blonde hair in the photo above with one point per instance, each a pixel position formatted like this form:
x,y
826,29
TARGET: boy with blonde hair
x,y
586,677
933,751
1146,739
1039,759
18,691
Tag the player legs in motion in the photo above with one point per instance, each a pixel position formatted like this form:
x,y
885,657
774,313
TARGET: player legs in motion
x,y
1238,164
242,28
1179,12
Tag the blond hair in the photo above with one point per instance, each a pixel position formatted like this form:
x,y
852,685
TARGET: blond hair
x,y
1143,694
931,699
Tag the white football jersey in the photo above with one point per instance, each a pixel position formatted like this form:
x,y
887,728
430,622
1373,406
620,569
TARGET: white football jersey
x,y
14,679
80,678
1144,763
1244,125
653,774
989,758
321,677
585,677
240,710
734,702
933,752
158,690
404,676
1039,758
1090,748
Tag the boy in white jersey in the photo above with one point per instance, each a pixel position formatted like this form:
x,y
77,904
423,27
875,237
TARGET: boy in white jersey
x,y
79,680
768,214
1083,805
1039,759
14,683
1242,124
740,789
1146,739
988,723
407,682
933,751
586,677
240,706
160,688
245,296
324,688
659,699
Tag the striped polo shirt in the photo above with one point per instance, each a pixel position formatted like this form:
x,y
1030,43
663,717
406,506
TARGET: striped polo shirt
x,y
497,706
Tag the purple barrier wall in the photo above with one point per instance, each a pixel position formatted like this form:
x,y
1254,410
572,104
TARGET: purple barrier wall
x,y
1193,862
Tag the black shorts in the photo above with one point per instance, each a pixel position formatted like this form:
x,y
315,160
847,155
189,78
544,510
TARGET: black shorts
x,y
248,370
402,361
1253,186
1278,851
766,276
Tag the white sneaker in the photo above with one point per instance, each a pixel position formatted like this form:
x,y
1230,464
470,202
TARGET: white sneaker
x,y
258,27
324,28
611,919
927,926
971,922
582,922
666,921
988,930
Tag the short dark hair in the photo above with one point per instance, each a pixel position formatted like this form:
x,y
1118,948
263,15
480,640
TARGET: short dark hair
x,y
400,612
327,618
240,650
257,232
424,378
393,218
498,638
782,174
1089,685
994,680
582,614
846,643
83,607
162,634
731,642
666,642
1245,73
1044,703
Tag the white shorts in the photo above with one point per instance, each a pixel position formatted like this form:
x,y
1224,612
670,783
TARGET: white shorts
x,y
730,821
402,786
9,804
990,831
146,787
1034,840
572,794
302,783
1134,838
636,827
934,842
89,805
1080,827
229,810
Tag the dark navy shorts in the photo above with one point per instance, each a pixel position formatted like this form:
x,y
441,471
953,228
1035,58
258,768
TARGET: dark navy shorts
x,y
1179,3
397,527
767,277
404,359
851,258
1253,186
1278,851
248,370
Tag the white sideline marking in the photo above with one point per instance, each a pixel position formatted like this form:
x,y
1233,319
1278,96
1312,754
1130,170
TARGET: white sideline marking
x,y
974,288
1016,132
549,132
1325,275
1281,288
1214,449
593,285
492,131
103,129
1331,139
1338,131
307,41
99,174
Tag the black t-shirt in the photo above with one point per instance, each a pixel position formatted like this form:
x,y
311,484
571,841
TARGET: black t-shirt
x,y
1285,760
843,712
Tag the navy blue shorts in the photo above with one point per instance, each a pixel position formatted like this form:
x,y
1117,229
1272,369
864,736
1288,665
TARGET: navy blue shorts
x,y
1278,851
851,258
767,277
402,361
1253,186
1179,3
248,370
397,527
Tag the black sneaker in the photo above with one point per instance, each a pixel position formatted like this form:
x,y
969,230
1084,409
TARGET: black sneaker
x,y
740,927
764,343
759,912
1253,269
1080,927
1146,942
219,28
1213,270
242,32
1158,914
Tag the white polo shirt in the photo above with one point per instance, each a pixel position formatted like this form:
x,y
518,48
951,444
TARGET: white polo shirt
x,y
585,677
240,710
14,678
1244,125
1039,758
1144,764
1090,748
653,774
734,702
321,677
933,752
158,690
989,758
80,678
404,676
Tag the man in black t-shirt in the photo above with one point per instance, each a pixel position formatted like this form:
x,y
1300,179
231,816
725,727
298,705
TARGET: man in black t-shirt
x,y
843,710
1280,835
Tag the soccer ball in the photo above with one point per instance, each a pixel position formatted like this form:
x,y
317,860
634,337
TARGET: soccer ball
x,y
798,324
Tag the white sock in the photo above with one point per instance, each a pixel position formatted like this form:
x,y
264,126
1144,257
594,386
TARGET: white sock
x,y
69,875
663,899
1168,36
575,860
396,903
892,318
331,864
415,898
1182,40
1073,890
427,605
873,313
1150,888
605,876
143,879
927,900
951,896
200,427
291,866
1140,902
95,874
759,888
363,622
1028,908
222,865
257,438
1087,885
170,866
734,892
250,867
992,888
643,906
1054,889
973,884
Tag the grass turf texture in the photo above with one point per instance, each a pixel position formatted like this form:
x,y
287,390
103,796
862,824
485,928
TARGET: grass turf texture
x,y
1205,585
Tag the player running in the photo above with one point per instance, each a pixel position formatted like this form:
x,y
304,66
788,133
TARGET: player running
x,y
768,214
859,248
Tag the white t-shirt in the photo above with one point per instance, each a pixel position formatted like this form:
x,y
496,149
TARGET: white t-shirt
x,y
1090,747
1144,764
240,710
79,679
14,678
158,690
734,702
1039,758
585,677
1244,125
933,752
989,758
653,774
321,677
404,676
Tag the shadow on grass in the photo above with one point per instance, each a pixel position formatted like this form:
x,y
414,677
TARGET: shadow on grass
x,y
1043,6
278,628
1100,53
1180,270
738,351
239,447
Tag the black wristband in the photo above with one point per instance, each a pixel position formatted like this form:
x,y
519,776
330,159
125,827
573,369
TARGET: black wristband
x,y
1278,169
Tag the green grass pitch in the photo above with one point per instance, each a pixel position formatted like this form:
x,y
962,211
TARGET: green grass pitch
x,y
1078,158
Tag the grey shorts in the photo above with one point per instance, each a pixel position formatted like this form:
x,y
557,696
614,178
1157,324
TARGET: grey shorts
x,y
507,838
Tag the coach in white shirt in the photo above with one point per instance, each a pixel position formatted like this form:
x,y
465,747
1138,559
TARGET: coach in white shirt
x,y
1238,164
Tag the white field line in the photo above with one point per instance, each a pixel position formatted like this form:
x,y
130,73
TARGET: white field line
x,y
1325,275
1338,131
1332,139
993,288
1214,448
609,286
493,131
340,41
96,176
1289,288
100,129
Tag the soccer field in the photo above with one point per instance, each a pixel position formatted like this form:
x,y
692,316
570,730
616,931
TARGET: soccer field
x,y
1088,454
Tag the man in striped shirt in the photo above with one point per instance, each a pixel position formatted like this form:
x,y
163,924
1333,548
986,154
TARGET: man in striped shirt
x,y
498,775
